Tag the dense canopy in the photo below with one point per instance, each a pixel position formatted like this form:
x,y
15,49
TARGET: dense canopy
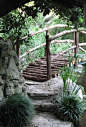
x,y
43,5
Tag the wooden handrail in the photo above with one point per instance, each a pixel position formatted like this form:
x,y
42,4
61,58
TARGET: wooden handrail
x,y
83,32
62,41
45,29
73,47
62,33
82,44
54,37
82,49
52,42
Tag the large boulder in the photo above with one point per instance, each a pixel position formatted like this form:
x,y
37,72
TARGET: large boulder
x,y
11,80
56,85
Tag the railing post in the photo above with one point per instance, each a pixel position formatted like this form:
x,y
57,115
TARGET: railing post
x,y
74,41
48,57
77,48
85,13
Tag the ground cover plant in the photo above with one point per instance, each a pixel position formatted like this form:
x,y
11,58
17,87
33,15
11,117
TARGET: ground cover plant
x,y
17,111
71,108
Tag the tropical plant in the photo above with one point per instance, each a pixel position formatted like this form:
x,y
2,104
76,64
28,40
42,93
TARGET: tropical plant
x,y
17,111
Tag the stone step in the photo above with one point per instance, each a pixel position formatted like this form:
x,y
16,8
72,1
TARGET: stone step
x,y
48,120
28,82
44,105
44,90
40,94
40,91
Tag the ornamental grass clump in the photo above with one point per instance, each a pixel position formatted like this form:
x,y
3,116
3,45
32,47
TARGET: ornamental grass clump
x,y
17,111
71,107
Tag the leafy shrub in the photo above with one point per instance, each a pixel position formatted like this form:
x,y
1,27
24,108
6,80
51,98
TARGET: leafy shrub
x,y
71,108
17,111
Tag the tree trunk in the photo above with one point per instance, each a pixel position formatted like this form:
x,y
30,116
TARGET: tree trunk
x,y
84,77
18,48
48,57
74,41
85,13
77,48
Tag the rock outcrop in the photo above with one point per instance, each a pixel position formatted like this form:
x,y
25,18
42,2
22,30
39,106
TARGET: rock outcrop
x,y
11,80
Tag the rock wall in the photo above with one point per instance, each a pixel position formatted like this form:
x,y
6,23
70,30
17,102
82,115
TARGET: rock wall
x,y
11,80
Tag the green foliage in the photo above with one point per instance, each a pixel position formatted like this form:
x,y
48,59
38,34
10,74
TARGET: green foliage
x,y
12,24
59,20
72,11
71,108
55,48
17,111
68,72
77,17
74,16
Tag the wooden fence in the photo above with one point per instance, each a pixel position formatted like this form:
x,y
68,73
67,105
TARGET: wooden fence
x,y
50,40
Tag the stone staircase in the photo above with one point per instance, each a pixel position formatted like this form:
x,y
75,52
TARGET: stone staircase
x,y
42,99
42,95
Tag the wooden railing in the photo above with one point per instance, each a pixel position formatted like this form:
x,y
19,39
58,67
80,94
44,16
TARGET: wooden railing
x,y
50,40
45,29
